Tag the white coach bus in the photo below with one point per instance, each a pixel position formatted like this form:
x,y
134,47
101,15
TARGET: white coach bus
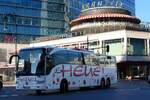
x,y
51,68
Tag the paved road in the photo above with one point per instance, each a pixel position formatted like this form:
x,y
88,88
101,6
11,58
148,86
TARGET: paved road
x,y
124,90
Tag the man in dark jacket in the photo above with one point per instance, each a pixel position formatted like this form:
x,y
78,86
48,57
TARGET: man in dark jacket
x,y
41,64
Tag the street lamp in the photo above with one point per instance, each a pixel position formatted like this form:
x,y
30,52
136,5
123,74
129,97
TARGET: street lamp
x,y
14,17
6,20
15,23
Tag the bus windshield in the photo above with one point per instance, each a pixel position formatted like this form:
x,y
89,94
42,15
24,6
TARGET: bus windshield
x,y
32,61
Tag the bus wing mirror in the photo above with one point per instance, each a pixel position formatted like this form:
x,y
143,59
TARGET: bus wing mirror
x,y
11,57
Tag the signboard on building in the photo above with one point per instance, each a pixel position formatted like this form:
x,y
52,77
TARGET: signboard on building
x,y
102,3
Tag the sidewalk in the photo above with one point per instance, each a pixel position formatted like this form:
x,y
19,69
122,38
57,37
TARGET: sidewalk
x,y
123,84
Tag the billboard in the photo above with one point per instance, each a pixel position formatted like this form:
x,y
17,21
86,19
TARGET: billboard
x,y
102,3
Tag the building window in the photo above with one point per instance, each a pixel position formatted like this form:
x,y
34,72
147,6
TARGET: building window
x,y
36,22
55,7
19,20
115,47
94,43
56,15
27,21
3,55
137,47
1,19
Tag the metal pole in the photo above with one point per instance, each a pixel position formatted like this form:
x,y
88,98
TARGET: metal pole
x,y
87,43
15,34
15,23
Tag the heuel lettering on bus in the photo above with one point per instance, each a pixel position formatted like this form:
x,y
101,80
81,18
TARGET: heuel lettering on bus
x,y
77,70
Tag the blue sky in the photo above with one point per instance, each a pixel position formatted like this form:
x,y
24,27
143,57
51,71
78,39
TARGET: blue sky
x,y
143,10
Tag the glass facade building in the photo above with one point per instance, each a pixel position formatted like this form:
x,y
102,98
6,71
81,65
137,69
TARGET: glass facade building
x,y
30,18
74,8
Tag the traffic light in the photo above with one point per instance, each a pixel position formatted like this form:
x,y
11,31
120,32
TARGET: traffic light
x,y
107,48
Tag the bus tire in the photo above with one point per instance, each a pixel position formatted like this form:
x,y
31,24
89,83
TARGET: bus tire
x,y
64,86
1,85
38,92
102,83
108,83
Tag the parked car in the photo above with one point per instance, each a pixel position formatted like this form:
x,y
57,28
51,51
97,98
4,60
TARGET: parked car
x,y
1,82
149,79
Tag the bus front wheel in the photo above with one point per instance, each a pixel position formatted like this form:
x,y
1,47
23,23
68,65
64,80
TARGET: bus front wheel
x,y
108,83
64,86
38,92
103,83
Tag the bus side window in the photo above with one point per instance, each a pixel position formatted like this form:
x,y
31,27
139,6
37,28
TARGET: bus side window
x,y
101,61
87,59
94,61
60,57
75,58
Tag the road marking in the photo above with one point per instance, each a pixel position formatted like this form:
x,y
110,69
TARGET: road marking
x,y
132,89
13,95
4,95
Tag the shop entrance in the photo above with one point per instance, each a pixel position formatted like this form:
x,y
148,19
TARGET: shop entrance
x,y
138,72
133,70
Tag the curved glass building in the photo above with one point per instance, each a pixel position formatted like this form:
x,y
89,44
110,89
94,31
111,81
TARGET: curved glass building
x,y
126,4
75,6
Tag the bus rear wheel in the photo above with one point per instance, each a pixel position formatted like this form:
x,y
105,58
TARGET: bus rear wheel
x,y
64,86
108,83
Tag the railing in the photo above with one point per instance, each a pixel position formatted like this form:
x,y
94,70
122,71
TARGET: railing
x,y
100,27
145,25
96,27
53,37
